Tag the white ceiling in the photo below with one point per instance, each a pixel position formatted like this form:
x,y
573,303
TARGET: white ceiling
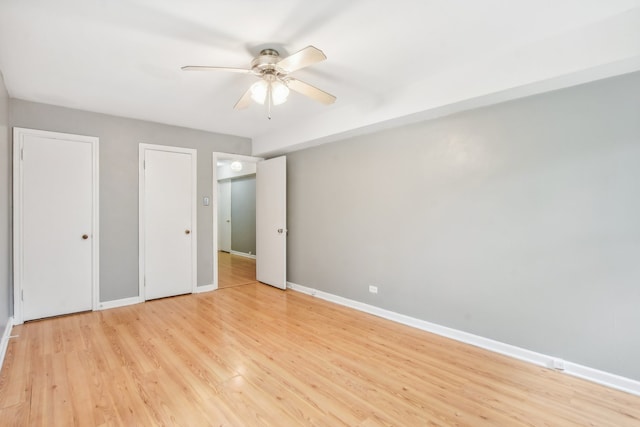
x,y
388,61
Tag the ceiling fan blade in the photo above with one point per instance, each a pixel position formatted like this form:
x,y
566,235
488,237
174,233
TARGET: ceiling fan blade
x,y
303,58
207,68
244,101
312,92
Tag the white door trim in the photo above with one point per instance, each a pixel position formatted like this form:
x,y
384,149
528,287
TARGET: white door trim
x,y
214,202
194,208
18,267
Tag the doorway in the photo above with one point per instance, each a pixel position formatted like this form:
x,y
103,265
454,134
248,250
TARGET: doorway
x,y
236,219
237,227
270,202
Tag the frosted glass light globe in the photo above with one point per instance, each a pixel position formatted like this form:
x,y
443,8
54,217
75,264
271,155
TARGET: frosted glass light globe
x,y
259,91
279,92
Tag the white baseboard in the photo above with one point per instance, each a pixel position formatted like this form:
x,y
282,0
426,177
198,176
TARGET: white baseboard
x,y
205,288
137,300
119,303
601,377
5,340
252,256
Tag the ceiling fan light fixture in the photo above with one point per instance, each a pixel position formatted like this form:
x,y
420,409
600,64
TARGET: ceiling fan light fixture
x,y
236,166
259,91
279,92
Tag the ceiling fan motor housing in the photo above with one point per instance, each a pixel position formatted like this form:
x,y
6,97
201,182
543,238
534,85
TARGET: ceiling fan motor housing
x,y
266,63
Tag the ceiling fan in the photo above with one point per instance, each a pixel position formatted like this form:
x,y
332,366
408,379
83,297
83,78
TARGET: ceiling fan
x,y
275,82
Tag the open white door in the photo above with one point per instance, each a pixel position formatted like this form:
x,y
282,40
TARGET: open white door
x,y
271,222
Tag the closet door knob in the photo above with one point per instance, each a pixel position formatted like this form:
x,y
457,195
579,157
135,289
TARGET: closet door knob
x,y
187,231
85,237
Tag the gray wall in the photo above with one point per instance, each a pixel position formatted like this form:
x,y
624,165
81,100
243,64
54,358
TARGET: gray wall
x,y
518,222
243,214
119,139
6,303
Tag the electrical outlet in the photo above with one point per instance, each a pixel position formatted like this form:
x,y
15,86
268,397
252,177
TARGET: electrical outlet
x,y
373,289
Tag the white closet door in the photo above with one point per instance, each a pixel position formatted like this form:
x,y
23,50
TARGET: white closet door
x,y
55,197
169,221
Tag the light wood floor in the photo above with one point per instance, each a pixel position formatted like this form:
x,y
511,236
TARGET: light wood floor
x,y
234,270
254,355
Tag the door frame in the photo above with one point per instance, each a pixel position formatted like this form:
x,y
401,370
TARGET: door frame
x,y
18,238
141,213
214,199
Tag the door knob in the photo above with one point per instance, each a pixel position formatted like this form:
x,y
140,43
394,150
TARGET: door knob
x,y
85,237
187,231
280,230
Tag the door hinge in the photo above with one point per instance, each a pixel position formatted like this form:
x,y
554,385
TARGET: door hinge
x,y
22,154
144,164
22,295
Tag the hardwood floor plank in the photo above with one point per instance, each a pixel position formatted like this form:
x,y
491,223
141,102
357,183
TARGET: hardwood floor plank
x,y
255,355
235,270
16,415
14,378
